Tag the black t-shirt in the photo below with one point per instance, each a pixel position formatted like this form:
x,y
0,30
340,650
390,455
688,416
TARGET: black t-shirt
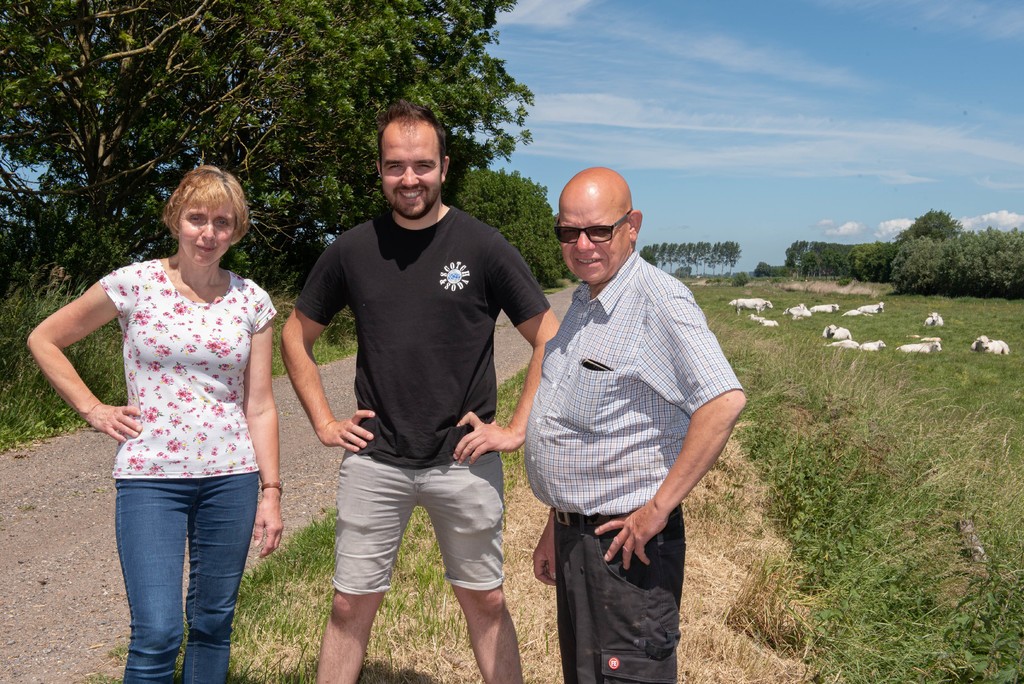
x,y
425,303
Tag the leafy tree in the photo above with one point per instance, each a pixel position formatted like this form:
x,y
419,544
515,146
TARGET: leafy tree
x,y
936,225
647,253
105,104
916,267
762,270
519,208
872,262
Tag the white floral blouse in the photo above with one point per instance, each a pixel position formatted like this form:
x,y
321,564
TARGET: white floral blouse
x,y
184,364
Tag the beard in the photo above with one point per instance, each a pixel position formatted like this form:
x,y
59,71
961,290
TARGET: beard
x,y
423,205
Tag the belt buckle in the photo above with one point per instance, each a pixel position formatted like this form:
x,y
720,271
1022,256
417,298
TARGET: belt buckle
x,y
563,518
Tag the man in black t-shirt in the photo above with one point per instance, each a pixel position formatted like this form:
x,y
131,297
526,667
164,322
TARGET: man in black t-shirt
x,y
425,284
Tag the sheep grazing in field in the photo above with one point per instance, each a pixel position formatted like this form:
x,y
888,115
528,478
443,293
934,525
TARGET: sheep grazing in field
x,y
755,303
872,308
856,312
824,308
755,317
984,344
834,332
934,320
769,324
920,347
926,339
877,345
844,344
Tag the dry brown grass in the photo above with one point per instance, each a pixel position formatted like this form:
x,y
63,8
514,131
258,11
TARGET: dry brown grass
x,y
825,287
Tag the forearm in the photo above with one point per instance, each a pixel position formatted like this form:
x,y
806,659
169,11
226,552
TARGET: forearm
x,y
304,374
61,374
709,431
546,329
265,436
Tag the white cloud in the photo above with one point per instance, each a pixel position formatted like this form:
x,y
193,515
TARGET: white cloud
x,y
848,229
1002,220
544,13
887,230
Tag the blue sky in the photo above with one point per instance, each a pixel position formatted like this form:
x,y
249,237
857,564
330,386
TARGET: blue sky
x,y
770,122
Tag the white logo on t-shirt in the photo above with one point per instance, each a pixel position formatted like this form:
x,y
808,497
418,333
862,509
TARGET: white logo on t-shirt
x,y
454,276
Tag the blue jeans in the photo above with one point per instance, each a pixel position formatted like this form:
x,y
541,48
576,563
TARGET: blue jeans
x,y
154,518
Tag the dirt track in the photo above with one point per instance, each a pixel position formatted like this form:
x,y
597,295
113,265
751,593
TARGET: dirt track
x,y
63,607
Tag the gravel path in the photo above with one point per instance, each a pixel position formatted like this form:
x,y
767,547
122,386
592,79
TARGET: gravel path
x,y
63,607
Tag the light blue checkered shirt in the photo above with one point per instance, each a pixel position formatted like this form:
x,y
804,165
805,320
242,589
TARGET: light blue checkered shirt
x,y
604,441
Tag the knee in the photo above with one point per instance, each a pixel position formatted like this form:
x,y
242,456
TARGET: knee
x,y
157,639
488,604
353,608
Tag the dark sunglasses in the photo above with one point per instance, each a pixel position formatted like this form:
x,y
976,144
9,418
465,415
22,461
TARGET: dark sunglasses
x,y
570,234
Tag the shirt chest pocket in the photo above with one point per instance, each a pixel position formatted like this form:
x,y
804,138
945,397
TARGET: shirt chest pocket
x,y
595,401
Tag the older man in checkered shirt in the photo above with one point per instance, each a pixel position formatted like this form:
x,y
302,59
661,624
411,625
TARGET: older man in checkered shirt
x,y
636,403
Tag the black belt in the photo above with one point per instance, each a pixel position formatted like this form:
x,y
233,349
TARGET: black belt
x,y
579,520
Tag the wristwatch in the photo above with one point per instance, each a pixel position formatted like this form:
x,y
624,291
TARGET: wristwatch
x,y
273,485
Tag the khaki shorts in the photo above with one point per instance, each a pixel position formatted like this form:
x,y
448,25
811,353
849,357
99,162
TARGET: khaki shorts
x,y
375,500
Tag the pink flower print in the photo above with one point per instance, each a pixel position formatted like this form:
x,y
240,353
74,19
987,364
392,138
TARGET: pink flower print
x,y
150,415
180,308
153,366
122,291
167,291
226,366
237,320
166,379
218,347
218,410
232,396
141,317
136,463
149,341
160,326
191,349
175,445
175,420
163,351
180,368
201,437
160,277
185,395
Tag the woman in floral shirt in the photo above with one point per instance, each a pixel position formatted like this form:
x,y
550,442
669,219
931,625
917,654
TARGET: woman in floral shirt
x,y
199,432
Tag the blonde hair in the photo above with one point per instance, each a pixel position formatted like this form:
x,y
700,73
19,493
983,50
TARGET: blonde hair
x,y
208,186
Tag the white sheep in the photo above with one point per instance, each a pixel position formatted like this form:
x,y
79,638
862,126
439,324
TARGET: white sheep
x,y
872,346
921,347
769,324
984,344
836,333
755,303
872,308
934,320
856,312
845,344
755,317
824,308
793,310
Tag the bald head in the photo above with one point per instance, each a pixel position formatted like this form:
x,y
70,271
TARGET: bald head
x,y
595,189
598,197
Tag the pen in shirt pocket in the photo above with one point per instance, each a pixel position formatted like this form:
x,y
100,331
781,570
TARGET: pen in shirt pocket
x,y
591,364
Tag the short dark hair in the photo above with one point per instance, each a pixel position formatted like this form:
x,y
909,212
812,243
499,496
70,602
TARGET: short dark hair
x,y
406,112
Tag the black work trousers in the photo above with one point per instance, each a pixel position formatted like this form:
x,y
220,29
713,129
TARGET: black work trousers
x,y
617,625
